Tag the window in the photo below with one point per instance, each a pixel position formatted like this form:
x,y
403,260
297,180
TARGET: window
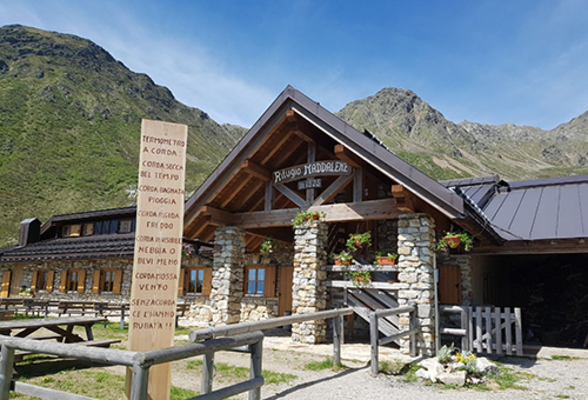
x,y
260,281
42,280
73,280
107,281
88,229
255,281
71,230
125,226
196,280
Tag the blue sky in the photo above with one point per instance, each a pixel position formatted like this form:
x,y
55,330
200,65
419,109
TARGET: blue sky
x,y
486,61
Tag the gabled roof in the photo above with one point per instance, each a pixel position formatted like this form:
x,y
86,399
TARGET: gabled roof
x,y
372,152
541,209
87,215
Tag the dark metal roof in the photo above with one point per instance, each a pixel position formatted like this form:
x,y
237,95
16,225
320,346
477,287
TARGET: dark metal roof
x,y
541,209
79,248
118,245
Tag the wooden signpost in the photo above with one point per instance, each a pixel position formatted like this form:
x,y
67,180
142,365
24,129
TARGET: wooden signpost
x,y
158,243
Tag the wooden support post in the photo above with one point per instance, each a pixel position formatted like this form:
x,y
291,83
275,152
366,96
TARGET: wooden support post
x,y
140,383
291,195
374,337
269,196
464,325
122,317
6,368
412,324
357,185
404,199
311,157
337,328
256,369
207,373
519,331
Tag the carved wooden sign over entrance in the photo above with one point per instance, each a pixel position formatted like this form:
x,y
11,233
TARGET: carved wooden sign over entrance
x,y
158,242
311,170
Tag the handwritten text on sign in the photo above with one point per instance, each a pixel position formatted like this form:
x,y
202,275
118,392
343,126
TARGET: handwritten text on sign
x,y
158,241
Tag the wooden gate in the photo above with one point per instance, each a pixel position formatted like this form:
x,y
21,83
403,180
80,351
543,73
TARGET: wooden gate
x,y
489,330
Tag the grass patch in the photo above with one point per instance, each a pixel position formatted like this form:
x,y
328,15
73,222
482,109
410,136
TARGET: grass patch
x,y
410,372
392,368
230,372
563,357
177,393
562,396
508,378
327,363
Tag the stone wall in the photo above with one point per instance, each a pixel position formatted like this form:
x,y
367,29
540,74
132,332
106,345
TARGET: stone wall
x,y
416,238
227,275
387,232
308,294
465,265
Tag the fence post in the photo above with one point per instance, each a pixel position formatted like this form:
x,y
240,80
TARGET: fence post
x,y
337,325
122,317
412,324
140,383
374,336
6,367
207,373
255,371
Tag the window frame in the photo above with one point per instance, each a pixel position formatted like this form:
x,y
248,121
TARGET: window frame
x,y
71,230
255,293
187,281
103,273
87,229
40,273
69,280
123,222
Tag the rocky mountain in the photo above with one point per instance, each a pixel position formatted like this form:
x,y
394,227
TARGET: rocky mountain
x,y
422,136
70,117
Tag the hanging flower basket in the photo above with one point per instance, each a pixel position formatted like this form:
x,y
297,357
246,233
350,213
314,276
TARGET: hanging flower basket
x,y
358,240
453,241
268,246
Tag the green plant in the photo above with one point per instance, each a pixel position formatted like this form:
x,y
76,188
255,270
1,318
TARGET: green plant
x,y
327,363
445,353
468,359
188,250
465,240
343,258
303,217
380,255
359,240
360,278
268,246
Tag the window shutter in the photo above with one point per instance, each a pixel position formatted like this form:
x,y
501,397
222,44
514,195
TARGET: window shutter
x,y
34,281
5,283
270,282
96,282
181,284
63,281
207,282
50,277
82,281
117,281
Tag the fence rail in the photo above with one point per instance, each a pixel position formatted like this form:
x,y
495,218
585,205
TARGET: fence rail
x,y
376,342
489,329
140,362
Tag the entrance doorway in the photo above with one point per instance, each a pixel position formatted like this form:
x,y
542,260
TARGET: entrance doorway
x,y
285,290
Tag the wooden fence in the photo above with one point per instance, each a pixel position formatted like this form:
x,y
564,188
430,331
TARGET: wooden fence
x,y
489,330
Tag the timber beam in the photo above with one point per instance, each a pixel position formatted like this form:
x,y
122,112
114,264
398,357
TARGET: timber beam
x,y
215,216
256,170
404,199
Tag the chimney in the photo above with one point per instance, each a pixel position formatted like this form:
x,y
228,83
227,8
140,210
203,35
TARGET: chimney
x,y
30,231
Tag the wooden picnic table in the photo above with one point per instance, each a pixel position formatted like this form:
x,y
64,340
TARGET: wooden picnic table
x,y
62,327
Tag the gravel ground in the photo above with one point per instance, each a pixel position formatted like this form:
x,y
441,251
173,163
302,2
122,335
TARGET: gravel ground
x,y
551,380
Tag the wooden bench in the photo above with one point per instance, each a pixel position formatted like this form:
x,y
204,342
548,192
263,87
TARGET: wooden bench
x,y
76,307
181,309
104,343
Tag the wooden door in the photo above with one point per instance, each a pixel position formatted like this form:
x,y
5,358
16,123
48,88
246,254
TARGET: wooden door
x,y
285,290
449,285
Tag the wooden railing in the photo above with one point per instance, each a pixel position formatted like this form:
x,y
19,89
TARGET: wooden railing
x,y
140,362
489,330
375,340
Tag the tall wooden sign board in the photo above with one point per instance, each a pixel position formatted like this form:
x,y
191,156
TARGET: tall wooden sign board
x,y
158,245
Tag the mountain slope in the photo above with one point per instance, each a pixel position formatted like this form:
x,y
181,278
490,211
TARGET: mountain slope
x,y
422,136
70,118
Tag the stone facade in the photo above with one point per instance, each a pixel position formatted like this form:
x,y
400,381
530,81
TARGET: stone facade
x,y
387,232
227,275
464,262
308,294
416,239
